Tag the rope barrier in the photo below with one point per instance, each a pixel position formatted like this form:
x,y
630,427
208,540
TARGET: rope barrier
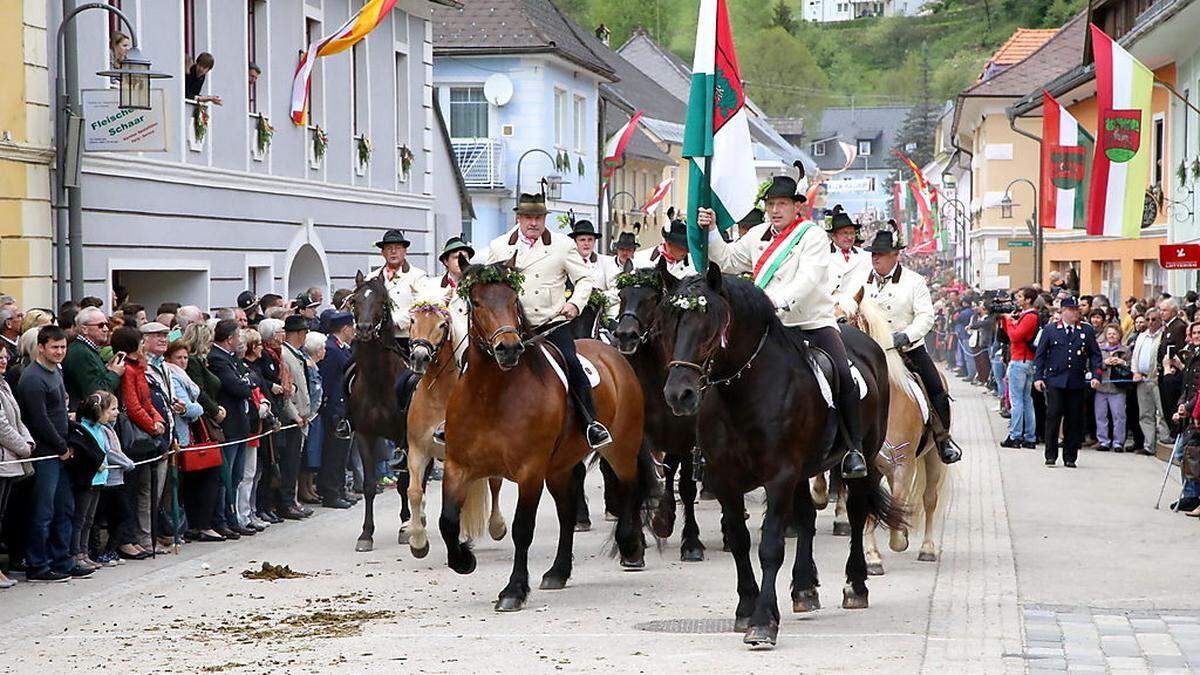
x,y
171,452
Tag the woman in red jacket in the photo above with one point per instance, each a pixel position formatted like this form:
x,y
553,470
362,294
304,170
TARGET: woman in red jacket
x,y
135,401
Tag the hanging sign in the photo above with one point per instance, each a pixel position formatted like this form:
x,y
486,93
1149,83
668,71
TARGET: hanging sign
x,y
108,128
1179,256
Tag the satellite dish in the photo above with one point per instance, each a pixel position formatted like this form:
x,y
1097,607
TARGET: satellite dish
x,y
498,89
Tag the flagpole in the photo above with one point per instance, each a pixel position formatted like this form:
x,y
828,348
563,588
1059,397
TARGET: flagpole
x,y
1179,96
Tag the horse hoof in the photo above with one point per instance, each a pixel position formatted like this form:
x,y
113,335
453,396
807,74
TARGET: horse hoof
x,y
465,566
498,532
791,532
841,529
692,554
821,501
875,569
364,545
761,637
583,526
639,563
852,600
509,604
420,552
741,624
403,537
550,583
806,601
610,518
898,542
927,556
662,527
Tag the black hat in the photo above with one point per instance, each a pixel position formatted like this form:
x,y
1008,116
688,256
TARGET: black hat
x,y
582,227
531,205
885,242
837,219
303,301
627,240
455,244
755,217
336,319
676,234
294,323
393,237
783,186
246,300
1068,302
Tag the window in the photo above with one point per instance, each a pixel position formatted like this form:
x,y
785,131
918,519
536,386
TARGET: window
x,y
580,112
819,149
312,33
358,88
560,117
252,53
1160,151
189,30
864,148
402,99
468,113
1154,279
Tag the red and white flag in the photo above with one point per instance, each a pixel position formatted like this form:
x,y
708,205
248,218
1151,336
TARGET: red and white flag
x,y
1066,160
656,197
614,150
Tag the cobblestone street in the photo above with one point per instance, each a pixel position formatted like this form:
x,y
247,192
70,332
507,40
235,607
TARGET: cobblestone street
x,y
1041,569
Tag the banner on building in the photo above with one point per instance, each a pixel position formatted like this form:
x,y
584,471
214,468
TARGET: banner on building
x,y
109,128
614,149
1066,167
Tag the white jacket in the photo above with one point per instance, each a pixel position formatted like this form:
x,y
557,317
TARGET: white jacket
x,y
904,298
648,257
846,277
402,289
546,265
800,289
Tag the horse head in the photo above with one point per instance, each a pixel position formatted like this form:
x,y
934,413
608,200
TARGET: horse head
x,y
428,334
640,292
497,322
694,319
372,308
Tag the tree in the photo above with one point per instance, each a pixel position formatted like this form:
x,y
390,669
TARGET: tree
x,y
916,135
782,75
781,15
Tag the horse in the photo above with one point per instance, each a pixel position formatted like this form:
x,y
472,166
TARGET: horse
x,y
431,347
764,422
586,326
510,416
372,406
640,294
906,461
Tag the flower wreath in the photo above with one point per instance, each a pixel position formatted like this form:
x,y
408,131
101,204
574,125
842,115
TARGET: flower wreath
x,y
598,301
428,307
689,303
646,278
491,274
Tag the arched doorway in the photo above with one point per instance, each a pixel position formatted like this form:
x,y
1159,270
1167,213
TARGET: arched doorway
x,y
307,269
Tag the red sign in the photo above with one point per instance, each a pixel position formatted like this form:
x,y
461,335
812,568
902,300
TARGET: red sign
x,y
1179,256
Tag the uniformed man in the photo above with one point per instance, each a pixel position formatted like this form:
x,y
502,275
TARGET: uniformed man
x,y
401,279
548,260
1066,364
789,257
903,295
849,265
674,248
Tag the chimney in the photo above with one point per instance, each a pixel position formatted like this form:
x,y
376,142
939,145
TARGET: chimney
x,y
602,33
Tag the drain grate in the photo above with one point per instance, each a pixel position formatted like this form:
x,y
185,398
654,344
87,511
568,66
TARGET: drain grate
x,y
690,626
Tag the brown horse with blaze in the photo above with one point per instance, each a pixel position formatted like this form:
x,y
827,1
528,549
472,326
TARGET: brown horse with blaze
x,y
510,416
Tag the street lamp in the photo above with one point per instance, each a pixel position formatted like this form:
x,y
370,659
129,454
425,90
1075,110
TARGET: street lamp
x,y
961,223
635,211
1035,229
551,183
134,77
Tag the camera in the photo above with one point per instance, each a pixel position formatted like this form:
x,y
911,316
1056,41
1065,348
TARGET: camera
x,y
999,302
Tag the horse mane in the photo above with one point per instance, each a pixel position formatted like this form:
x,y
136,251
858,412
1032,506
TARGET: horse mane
x,y
747,302
875,324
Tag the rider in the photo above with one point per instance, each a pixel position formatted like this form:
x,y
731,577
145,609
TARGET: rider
x,y
789,257
548,261
904,297
603,268
626,246
755,217
455,257
849,265
674,248
401,280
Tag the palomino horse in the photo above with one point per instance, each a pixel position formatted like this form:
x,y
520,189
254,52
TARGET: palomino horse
x,y
905,460
431,344
372,406
511,416
675,436
763,422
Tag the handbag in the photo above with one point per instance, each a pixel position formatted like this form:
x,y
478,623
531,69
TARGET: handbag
x,y
1190,466
136,443
203,453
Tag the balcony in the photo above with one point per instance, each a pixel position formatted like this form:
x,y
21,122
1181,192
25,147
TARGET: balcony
x,y
481,161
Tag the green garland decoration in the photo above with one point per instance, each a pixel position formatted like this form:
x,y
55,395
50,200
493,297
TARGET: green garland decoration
x,y
599,301
491,274
639,278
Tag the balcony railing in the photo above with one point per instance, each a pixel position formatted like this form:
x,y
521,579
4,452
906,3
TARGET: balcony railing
x,y
481,161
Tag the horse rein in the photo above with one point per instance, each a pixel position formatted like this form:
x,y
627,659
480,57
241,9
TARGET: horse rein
x,y
644,335
705,369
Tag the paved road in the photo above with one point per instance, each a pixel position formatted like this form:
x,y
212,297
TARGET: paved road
x,y
1041,569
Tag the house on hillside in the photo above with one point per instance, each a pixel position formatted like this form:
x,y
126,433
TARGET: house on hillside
x,y
822,11
1162,35
863,188
1014,50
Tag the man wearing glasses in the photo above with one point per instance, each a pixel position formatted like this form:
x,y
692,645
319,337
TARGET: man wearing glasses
x,y
84,372
1145,366
10,325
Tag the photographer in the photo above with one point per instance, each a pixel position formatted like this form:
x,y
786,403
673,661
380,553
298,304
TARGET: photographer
x,y
1021,326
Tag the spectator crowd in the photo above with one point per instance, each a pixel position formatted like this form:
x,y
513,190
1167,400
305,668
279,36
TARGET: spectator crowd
x,y
124,435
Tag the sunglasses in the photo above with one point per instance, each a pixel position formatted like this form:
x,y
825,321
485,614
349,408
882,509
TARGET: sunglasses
x,y
98,325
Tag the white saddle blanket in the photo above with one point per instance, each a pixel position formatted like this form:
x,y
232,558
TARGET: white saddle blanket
x,y
918,394
827,388
593,375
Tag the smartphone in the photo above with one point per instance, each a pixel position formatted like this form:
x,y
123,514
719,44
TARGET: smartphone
x,y
119,358
1170,351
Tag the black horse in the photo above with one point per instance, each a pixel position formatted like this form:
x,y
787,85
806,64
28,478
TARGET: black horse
x,y
372,405
671,434
586,326
763,422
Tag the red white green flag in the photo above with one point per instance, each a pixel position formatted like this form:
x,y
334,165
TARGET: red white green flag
x,y
1066,164
1122,165
614,149
717,136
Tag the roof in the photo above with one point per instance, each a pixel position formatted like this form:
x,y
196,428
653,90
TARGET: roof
x,y
1055,56
512,27
791,126
853,124
1018,46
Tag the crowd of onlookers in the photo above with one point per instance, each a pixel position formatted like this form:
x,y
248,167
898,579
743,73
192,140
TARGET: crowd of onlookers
x,y
1146,399
125,434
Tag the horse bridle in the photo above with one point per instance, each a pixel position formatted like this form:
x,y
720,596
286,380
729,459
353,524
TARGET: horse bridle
x,y
705,369
377,331
644,335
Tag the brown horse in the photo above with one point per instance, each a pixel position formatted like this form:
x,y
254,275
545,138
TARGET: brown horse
x,y
431,345
510,416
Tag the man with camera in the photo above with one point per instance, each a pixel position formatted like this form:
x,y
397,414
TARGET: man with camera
x,y
1021,327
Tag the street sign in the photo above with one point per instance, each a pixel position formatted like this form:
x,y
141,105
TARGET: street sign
x,y
1179,256
108,128
1020,243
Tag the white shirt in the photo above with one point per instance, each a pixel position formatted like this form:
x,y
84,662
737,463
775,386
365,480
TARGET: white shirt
x,y
1145,352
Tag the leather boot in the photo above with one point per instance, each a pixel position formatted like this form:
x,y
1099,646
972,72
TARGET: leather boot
x,y
947,450
306,491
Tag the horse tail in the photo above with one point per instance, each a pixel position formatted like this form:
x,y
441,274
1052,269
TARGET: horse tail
x,y
474,515
876,325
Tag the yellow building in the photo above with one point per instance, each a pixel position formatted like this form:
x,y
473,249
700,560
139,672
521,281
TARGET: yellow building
x,y
26,154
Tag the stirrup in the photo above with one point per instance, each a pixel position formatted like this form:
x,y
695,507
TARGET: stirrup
x,y
597,435
950,451
439,434
854,464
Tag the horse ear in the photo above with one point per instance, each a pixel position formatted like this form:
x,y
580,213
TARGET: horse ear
x,y
359,279
713,276
627,268
511,263
668,280
463,261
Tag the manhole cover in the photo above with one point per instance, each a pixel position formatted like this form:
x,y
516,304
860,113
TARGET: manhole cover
x,y
692,626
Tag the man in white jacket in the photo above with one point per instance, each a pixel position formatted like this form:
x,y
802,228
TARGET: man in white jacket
x,y
849,265
789,258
